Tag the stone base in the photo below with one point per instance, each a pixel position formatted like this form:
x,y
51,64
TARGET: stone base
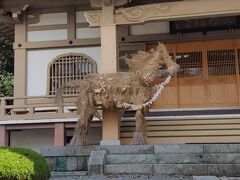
x,y
110,142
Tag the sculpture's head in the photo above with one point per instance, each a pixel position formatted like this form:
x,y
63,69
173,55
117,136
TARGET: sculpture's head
x,y
149,62
164,59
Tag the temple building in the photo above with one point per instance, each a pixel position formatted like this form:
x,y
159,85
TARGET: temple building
x,y
59,41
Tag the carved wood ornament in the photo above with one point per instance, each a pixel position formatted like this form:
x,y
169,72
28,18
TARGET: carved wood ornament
x,y
170,11
143,13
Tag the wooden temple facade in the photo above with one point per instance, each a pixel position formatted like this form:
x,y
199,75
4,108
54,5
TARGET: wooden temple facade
x,y
59,41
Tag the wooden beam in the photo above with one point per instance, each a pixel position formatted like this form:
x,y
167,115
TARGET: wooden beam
x,y
4,136
29,126
107,2
58,44
59,135
98,3
36,4
71,23
169,11
166,37
54,27
7,20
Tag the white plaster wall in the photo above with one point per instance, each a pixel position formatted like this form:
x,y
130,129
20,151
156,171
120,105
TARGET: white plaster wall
x,y
47,35
33,139
51,19
83,33
37,63
149,28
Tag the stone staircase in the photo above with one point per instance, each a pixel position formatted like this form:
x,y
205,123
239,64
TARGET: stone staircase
x,y
147,160
175,159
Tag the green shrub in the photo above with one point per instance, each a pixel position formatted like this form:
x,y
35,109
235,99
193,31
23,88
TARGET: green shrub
x,y
6,68
22,164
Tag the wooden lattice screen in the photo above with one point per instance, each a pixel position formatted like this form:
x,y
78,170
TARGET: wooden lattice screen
x,y
238,55
190,64
221,62
68,67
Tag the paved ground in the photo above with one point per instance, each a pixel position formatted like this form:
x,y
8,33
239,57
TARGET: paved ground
x,y
144,177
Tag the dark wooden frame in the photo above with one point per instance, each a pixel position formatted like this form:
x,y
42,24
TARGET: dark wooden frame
x,y
205,25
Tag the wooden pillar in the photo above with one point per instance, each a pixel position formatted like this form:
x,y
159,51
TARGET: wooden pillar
x,y
4,136
20,60
108,49
110,127
59,135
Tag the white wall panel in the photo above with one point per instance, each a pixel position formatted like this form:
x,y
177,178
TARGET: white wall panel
x,y
33,138
37,63
83,33
51,19
47,35
149,28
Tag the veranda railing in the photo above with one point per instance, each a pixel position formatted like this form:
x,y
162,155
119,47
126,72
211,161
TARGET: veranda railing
x,y
37,107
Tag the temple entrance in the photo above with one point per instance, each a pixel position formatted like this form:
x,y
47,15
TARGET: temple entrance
x,y
209,75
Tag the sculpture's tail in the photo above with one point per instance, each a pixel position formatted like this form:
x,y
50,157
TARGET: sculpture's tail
x,y
60,91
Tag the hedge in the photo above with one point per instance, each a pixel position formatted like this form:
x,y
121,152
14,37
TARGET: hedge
x,y
22,164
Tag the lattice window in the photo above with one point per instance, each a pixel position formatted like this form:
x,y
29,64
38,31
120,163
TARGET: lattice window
x,y
221,62
190,64
68,67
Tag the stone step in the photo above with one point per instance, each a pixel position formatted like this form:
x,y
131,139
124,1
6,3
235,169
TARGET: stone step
x,y
198,169
173,159
68,175
169,169
154,149
154,159
128,149
181,169
178,148
146,169
175,169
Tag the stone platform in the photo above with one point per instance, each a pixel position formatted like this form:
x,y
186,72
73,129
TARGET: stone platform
x,y
185,160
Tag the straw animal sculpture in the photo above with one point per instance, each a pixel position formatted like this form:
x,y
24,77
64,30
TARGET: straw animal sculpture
x,y
134,90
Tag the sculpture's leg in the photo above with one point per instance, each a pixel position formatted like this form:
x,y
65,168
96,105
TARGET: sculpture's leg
x,y
81,132
139,134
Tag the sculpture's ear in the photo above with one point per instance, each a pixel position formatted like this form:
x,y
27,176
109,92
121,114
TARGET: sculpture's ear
x,y
129,63
162,49
151,51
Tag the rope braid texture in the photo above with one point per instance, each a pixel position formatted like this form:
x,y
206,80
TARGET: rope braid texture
x,y
135,90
